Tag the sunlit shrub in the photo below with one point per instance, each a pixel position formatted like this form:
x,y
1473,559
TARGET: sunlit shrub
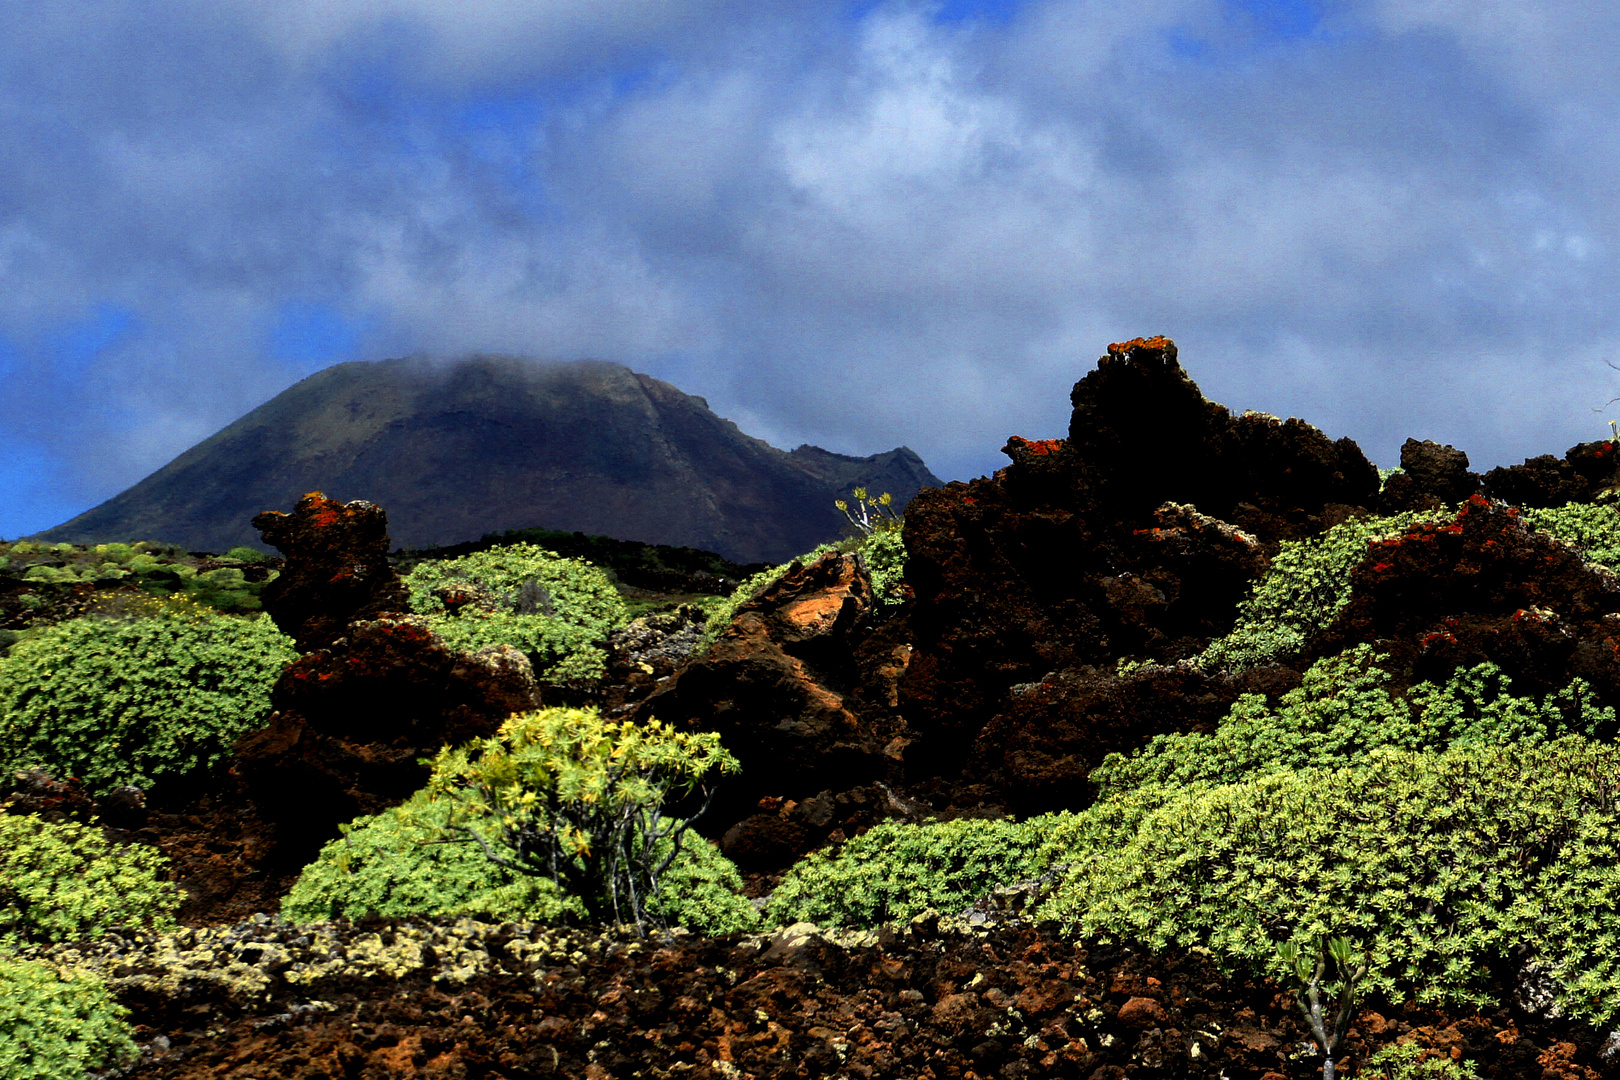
x,y
56,1026
138,698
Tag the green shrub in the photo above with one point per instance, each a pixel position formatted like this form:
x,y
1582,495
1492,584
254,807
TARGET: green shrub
x,y
559,651
1409,1061
1342,712
406,861
885,555
1305,587
1440,862
57,1026
400,863
1594,528
64,881
136,700
246,554
895,870
557,610
565,795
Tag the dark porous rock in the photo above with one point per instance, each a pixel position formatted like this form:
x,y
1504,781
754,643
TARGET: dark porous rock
x,y
1432,477
1481,587
783,688
336,572
1040,749
645,653
1584,472
352,722
1136,536
784,830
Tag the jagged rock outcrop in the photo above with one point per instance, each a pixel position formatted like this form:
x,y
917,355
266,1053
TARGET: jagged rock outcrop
x,y
1580,475
1484,587
1134,537
337,569
795,696
375,692
1432,477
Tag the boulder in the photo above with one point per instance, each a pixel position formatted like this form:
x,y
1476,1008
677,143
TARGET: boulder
x,y
791,691
337,569
354,721
1580,475
1432,477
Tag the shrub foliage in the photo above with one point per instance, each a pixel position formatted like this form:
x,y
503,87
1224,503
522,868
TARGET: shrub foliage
x,y
896,870
135,699
64,881
55,1026
565,795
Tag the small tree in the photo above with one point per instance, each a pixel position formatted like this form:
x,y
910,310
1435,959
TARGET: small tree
x,y
1310,969
563,794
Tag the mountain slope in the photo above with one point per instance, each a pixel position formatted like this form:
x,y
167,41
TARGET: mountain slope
x,y
492,443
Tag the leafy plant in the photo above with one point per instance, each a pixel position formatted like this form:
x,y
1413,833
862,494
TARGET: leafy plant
x,y
136,698
64,881
1594,528
557,610
58,1026
1409,1061
1306,585
870,512
896,870
565,795
1309,967
1439,861
1342,712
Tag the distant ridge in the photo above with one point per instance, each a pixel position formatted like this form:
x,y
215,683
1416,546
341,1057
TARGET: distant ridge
x,y
453,451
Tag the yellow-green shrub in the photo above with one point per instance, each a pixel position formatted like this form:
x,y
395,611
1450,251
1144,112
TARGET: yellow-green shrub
x,y
58,1026
136,699
1442,862
60,881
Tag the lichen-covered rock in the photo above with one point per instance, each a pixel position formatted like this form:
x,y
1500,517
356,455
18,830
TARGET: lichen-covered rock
x,y
337,569
1432,477
1580,475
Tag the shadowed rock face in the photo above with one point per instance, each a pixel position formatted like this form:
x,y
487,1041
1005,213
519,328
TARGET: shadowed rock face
x,y
1136,536
455,451
375,692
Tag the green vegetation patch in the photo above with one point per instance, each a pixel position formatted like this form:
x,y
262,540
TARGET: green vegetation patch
x,y
1342,712
1438,862
136,698
65,881
559,611
896,870
1306,586
58,1026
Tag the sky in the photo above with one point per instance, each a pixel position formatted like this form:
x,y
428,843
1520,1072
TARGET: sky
x,y
853,223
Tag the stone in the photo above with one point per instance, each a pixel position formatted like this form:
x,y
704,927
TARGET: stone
x,y
1136,536
1481,587
353,722
336,572
779,685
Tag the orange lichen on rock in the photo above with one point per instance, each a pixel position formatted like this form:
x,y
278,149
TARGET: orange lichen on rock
x,y
1158,343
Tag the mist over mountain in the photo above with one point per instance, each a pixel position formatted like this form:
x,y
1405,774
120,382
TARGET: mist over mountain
x,y
454,451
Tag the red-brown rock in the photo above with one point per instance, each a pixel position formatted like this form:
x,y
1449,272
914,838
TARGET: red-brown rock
x,y
337,569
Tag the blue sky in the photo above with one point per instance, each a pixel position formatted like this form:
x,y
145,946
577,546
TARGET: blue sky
x,y
855,224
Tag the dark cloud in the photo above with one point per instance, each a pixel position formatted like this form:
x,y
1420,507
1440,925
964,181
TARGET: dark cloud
x,y
857,225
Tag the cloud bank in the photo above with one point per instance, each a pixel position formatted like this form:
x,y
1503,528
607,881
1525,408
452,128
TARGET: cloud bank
x,y
857,225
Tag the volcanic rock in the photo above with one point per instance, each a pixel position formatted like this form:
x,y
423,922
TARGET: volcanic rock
x,y
1432,477
337,569
1484,587
783,687
1134,537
